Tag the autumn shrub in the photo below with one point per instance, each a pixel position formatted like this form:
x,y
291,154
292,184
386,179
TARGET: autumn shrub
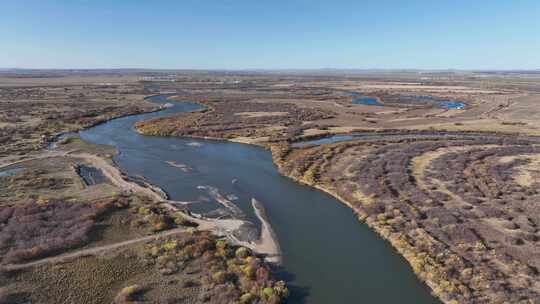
x,y
231,274
31,230
160,222
247,298
128,294
4,295
242,252
182,221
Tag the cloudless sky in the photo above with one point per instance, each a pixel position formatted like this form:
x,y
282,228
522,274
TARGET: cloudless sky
x,y
245,34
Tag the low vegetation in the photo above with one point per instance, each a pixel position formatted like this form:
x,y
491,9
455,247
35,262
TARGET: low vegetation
x,y
221,120
466,219
230,275
451,207
37,229
30,116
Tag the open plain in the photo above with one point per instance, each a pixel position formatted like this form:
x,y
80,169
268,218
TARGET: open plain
x,y
443,165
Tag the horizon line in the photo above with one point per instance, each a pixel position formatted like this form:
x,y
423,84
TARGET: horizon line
x,y
4,69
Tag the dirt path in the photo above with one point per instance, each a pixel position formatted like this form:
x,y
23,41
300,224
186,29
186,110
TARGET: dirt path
x,y
90,251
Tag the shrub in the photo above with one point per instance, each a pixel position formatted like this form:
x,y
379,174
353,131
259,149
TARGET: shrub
x,y
263,275
160,222
247,298
249,271
170,245
222,277
242,252
267,293
31,230
230,274
182,221
4,296
281,289
128,294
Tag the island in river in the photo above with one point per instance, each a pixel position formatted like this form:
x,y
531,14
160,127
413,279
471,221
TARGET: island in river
x,y
452,189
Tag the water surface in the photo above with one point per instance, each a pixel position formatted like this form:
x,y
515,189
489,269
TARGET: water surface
x,y
370,101
328,255
358,98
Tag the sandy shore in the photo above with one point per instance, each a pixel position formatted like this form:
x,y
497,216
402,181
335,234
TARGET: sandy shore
x,y
268,243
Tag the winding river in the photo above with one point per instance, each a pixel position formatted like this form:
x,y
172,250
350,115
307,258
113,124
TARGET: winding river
x,y
328,255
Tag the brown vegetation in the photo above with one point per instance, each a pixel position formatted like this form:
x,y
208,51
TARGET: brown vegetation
x,y
449,229
231,274
221,120
463,221
31,116
37,229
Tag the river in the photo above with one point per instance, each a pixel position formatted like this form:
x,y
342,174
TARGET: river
x,y
328,255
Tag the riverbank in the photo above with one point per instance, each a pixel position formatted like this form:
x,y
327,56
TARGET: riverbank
x,y
269,247
222,123
407,252
441,218
253,175
471,279
146,204
103,161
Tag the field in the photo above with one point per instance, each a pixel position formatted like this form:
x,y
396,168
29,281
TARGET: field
x,y
463,212
454,190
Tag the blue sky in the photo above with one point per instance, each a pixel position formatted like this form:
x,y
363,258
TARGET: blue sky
x,y
242,34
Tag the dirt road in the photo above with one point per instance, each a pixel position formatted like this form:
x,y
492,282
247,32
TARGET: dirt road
x,y
90,251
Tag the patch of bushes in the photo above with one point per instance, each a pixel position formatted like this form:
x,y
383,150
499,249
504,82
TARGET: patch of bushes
x,y
36,229
152,219
4,295
230,274
128,294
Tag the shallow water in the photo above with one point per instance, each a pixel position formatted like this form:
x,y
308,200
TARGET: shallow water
x,y
367,101
441,103
358,98
328,255
448,104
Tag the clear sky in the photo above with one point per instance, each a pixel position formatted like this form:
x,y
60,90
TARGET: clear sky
x,y
246,34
